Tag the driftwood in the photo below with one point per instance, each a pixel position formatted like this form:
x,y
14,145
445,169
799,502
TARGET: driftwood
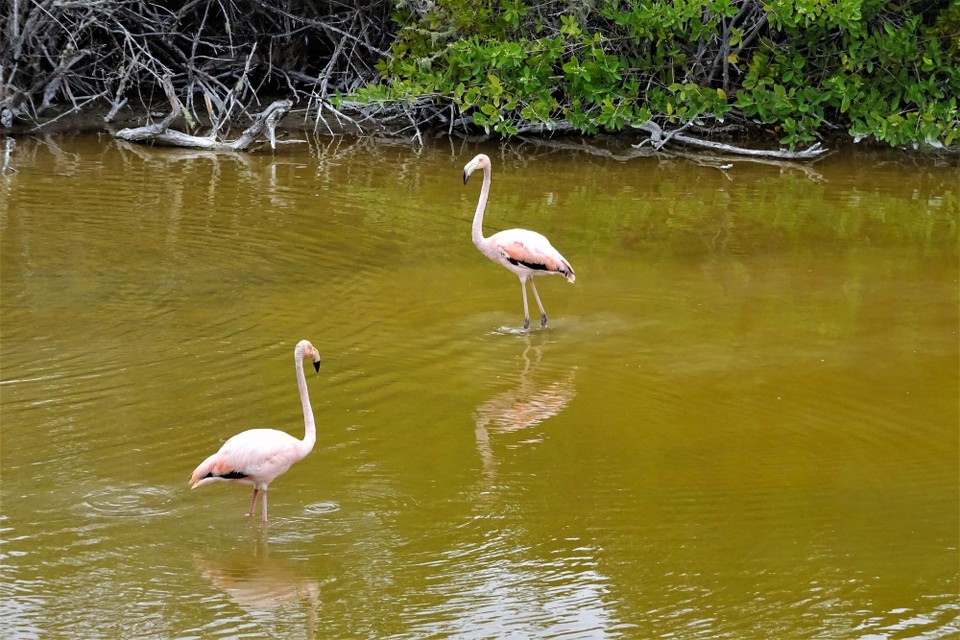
x,y
659,138
161,133
720,161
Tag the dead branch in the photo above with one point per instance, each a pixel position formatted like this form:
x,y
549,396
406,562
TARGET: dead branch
x,y
161,133
226,54
712,160
659,138
581,145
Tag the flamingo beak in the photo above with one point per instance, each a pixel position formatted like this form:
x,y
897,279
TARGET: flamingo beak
x,y
469,168
316,366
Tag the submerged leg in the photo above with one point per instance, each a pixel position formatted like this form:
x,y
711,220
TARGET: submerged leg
x,y
253,503
263,511
526,311
536,296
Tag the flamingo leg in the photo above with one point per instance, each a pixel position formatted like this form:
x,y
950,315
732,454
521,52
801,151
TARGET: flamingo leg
x,y
536,296
253,503
263,511
526,311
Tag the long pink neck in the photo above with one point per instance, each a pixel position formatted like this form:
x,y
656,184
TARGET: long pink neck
x,y
310,429
477,232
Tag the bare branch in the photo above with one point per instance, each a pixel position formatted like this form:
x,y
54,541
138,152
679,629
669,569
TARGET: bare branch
x,y
265,122
660,138
161,133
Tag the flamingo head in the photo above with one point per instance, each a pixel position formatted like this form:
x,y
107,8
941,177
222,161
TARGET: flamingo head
x,y
306,350
480,161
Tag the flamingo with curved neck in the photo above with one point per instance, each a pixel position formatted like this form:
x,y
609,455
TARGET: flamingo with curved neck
x,y
526,253
257,456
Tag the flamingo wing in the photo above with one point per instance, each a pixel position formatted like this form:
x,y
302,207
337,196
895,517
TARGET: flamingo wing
x,y
529,249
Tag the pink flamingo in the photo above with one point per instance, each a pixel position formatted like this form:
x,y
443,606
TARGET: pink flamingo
x,y
524,252
257,456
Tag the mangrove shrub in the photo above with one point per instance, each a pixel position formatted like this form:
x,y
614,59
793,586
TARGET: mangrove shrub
x,y
889,70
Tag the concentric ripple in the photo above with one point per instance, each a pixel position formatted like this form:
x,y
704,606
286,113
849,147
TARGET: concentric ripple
x,y
129,501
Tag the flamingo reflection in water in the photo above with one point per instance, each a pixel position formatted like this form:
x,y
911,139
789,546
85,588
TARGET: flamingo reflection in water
x,y
502,574
524,406
258,583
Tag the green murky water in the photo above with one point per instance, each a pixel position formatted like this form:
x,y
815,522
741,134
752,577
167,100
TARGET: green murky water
x,y
742,420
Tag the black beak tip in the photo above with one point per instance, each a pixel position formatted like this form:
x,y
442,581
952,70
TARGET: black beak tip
x,y
465,177
316,367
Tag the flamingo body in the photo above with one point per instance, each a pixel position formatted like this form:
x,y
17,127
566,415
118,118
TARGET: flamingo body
x,y
258,456
526,253
253,457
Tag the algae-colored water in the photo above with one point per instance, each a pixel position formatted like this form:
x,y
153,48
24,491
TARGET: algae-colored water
x,y
741,421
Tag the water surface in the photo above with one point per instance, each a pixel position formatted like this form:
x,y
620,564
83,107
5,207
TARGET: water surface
x,y
741,421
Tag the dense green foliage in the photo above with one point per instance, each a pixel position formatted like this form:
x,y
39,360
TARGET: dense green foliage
x,y
886,69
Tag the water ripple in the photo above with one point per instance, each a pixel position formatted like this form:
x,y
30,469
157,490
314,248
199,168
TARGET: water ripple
x,y
755,439
129,501
321,508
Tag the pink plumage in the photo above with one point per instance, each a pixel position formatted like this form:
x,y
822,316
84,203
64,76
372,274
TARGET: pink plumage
x,y
530,251
526,253
256,457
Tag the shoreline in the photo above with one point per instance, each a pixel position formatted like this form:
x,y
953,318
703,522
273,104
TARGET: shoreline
x,y
300,121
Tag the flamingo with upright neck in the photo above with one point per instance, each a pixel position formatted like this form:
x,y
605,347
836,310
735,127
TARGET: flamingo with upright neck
x,y
526,253
257,456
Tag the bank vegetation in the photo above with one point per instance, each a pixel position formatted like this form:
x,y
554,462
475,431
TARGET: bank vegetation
x,y
777,72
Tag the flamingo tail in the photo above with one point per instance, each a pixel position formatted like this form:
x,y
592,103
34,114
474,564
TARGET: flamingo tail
x,y
212,469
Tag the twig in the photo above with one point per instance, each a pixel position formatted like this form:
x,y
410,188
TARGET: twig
x,y
325,25
76,107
